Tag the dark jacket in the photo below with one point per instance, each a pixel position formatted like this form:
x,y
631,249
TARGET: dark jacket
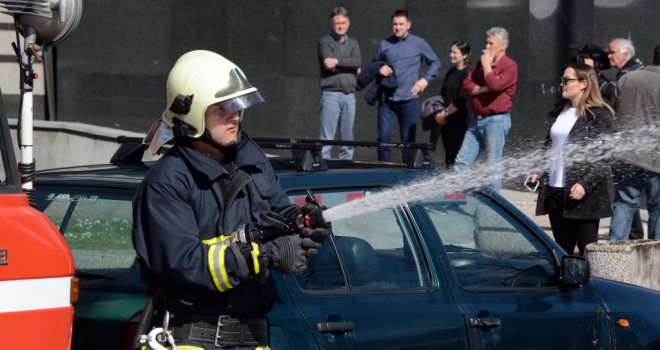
x,y
375,92
596,203
608,88
181,202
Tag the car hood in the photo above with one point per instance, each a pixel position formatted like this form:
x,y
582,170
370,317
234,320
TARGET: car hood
x,y
638,305
619,294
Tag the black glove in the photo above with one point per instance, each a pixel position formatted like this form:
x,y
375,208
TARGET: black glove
x,y
318,235
313,215
286,254
310,245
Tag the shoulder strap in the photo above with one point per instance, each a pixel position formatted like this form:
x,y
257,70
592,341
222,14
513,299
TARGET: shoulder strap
x,y
238,181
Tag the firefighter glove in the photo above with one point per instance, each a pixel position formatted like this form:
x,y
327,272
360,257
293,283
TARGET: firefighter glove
x,y
286,254
311,247
313,215
318,235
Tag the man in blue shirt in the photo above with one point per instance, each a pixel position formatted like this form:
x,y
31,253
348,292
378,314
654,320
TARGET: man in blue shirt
x,y
401,56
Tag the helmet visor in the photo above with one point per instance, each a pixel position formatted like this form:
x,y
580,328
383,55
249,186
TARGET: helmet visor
x,y
240,103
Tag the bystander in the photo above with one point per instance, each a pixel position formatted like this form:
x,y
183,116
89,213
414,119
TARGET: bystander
x,y
622,58
339,59
452,122
492,84
638,106
401,56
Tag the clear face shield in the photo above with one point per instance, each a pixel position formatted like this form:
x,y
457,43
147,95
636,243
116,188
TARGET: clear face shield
x,y
239,104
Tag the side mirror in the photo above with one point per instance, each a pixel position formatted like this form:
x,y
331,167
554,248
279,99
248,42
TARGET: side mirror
x,y
574,271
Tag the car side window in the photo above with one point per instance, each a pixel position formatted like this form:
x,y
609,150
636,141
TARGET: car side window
x,y
372,251
97,227
487,248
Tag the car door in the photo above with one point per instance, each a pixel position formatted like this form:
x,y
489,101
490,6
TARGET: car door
x,y
370,286
505,280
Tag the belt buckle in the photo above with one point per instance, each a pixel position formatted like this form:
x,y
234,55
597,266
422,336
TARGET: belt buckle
x,y
219,332
479,117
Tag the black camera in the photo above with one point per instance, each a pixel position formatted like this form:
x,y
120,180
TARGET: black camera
x,y
596,53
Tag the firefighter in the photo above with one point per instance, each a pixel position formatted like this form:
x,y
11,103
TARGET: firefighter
x,y
210,217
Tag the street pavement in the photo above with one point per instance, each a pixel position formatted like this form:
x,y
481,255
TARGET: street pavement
x,y
526,202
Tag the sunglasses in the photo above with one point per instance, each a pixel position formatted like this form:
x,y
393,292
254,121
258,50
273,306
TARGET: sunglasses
x,y
566,80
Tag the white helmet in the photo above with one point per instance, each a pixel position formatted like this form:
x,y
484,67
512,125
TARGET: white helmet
x,y
200,79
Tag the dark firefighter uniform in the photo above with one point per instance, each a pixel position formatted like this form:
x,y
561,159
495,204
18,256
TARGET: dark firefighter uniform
x,y
181,211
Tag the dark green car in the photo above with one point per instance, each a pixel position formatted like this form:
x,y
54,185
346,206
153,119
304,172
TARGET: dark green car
x,y
455,271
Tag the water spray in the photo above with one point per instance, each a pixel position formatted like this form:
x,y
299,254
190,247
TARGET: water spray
x,y
605,148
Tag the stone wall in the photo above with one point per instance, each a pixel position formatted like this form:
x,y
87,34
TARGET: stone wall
x,y
634,262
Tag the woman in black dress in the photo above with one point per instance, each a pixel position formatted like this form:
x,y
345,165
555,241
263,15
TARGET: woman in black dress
x,y
453,121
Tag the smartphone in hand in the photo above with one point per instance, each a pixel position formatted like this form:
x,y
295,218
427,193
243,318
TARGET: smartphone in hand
x,y
532,186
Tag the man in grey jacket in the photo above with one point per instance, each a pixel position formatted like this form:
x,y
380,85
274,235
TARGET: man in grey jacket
x,y
638,110
339,60
622,58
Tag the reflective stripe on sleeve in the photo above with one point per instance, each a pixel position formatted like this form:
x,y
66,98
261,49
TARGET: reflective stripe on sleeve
x,y
255,257
215,240
35,294
216,262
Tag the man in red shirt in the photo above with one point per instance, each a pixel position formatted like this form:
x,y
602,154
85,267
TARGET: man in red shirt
x,y
491,85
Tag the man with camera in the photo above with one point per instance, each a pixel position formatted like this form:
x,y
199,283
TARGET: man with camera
x,y
638,111
621,57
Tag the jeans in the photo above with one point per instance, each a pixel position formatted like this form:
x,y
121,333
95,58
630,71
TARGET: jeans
x,y
337,109
406,113
629,180
487,134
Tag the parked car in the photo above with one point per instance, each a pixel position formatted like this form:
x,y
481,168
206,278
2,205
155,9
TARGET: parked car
x,y
456,271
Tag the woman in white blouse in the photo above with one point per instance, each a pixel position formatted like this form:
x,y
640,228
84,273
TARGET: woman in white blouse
x,y
574,192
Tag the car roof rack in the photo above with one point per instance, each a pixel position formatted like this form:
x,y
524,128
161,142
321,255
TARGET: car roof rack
x,y
416,155
306,153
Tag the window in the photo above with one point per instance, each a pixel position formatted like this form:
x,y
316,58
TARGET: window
x,y
374,251
97,227
486,246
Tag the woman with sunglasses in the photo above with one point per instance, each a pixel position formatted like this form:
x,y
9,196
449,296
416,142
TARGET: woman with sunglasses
x,y
574,192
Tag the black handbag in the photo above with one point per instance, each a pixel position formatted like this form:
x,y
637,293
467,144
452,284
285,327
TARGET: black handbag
x,y
430,107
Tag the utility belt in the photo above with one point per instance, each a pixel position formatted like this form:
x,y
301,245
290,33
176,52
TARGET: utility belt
x,y
223,331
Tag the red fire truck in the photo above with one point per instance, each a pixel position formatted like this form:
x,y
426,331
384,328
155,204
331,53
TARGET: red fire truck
x,y
37,283
37,287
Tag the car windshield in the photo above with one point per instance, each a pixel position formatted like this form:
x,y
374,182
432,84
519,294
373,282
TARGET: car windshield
x,y
486,246
96,224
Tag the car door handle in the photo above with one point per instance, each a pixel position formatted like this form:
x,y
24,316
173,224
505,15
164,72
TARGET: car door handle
x,y
334,327
485,323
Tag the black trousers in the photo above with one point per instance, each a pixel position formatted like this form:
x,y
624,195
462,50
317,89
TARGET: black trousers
x,y
569,232
452,138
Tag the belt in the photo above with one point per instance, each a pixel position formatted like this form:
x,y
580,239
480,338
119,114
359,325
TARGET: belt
x,y
489,115
224,331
